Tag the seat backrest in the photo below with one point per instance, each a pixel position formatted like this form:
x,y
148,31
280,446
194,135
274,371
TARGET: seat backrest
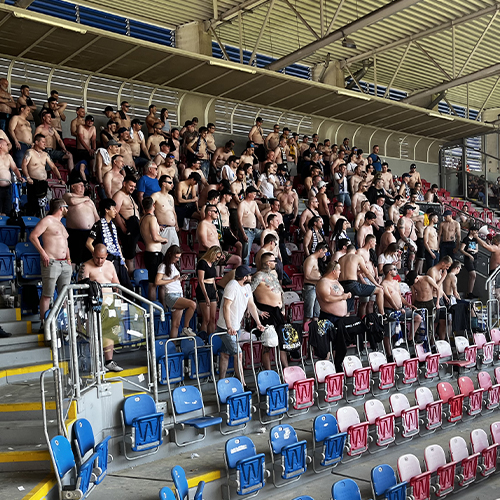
x,y
347,489
24,247
166,494
376,359
399,402
423,396
239,448
137,406
187,399
293,374
497,374
495,432
479,440
290,298
408,467
228,387
484,380
445,391
303,497
63,455
495,335
461,343
421,353
84,436
267,379
187,345
5,249
465,385
479,340
374,408
350,364
458,448
323,368
443,348
280,436
324,426
171,349
216,342
180,482
160,348
347,416
140,275
383,477
434,457
400,355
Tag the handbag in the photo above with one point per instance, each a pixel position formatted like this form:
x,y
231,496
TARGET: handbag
x,y
269,337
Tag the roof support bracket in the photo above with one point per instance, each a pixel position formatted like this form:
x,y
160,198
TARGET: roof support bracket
x,y
401,61
261,32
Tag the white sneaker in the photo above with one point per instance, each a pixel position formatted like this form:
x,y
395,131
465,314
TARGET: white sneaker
x,y
113,367
188,332
398,342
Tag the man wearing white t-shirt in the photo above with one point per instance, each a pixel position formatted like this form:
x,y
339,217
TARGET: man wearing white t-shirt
x,y
237,298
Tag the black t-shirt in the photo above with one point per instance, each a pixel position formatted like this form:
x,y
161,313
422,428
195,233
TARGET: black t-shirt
x,y
210,271
321,333
471,245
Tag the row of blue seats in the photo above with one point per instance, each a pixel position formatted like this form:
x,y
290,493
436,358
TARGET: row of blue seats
x,y
28,260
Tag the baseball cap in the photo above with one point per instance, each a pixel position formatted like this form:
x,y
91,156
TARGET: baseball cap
x,y
136,121
121,130
409,207
251,189
406,174
112,142
413,165
89,118
108,108
242,271
447,212
321,184
75,180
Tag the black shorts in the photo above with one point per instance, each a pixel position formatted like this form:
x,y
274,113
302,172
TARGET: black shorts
x,y
228,238
276,319
420,248
82,155
130,240
260,152
211,292
152,260
470,264
77,240
5,200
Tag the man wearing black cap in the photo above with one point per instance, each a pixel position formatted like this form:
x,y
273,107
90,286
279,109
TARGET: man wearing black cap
x,y
236,300
86,142
110,113
414,176
138,144
449,235
405,189
81,216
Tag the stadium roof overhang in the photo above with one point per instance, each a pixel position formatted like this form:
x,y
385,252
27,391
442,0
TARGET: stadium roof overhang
x,y
36,37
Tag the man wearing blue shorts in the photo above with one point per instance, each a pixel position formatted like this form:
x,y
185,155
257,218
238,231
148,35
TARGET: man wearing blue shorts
x,y
236,300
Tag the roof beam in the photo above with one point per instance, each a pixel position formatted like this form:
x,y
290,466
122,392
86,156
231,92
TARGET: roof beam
x,y
233,12
301,18
472,77
371,18
23,4
421,34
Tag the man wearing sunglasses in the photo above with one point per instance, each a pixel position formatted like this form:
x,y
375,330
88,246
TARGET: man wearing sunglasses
x,y
165,212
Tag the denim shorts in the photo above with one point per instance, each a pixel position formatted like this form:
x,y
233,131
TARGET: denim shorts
x,y
171,299
311,305
230,345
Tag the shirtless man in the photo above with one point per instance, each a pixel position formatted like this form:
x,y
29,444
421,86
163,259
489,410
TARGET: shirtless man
x,y
358,197
272,139
312,275
150,232
166,164
338,208
79,120
387,237
186,199
289,201
248,214
431,242
494,248
54,254
350,265
360,218
323,209
127,221
449,235
137,144
99,269
268,297
228,239
154,140
220,157
450,282
103,160
108,133
408,234
238,188
7,166
125,149
52,140
431,194
197,150
387,178
151,119
57,109
176,141
282,152
394,210
21,134
33,168
256,136
414,176
309,212
366,303
122,117
270,243
7,104
80,218
341,245
165,212
274,208
366,228
394,301
113,179
378,209
25,100
355,179
195,167
86,142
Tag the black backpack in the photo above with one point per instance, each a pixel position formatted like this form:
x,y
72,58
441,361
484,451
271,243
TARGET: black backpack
x,y
374,329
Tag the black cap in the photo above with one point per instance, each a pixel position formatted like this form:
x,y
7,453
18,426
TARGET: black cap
x,y
251,189
121,130
75,180
108,108
136,121
89,118
242,271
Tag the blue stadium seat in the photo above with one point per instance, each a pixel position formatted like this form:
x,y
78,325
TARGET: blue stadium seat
x,y
275,395
64,463
162,328
347,489
303,497
9,235
85,443
141,281
385,485
325,431
245,469
181,485
7,266
166,494
188,401
202,354
29,224
29,261
146,424
235,403
170,361
287,453
215,341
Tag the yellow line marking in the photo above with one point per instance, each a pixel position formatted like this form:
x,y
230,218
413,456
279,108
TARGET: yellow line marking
x,y
51,405
128,373
24,456
41,490
29,328
208,477
25,369
18,314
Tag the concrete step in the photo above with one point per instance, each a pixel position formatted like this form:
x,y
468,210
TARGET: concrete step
x,y
19,342
21,327
25,457
23,373
14,314
14,433
25,356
